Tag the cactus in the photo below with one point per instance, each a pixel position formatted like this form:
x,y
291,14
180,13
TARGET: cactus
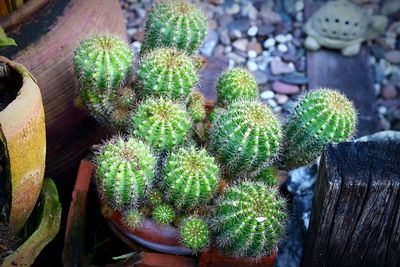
x,y
195,106
125,171
269,176
249,220
103,63
163,214
245,137
166,72
131,218
161,123
190,177
175,24
155,198
236,84
194,234
320,116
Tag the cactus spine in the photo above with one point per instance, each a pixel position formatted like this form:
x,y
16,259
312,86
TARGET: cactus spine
x,y
164,214
194,234
175,24
161,123
125,171
249,220
236,84
167,72
190,177
195,106
245,137
321,116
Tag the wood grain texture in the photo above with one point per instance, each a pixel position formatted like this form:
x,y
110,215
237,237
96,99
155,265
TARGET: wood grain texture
x,y
351,75
355,219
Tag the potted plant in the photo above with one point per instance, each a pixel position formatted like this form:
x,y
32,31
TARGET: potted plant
x,y
185,181
23,153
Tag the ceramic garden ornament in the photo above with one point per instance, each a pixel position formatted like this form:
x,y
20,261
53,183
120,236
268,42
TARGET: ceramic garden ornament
x,y
342,25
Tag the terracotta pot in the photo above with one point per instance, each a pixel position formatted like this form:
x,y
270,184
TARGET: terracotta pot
x,y
47,32
23,138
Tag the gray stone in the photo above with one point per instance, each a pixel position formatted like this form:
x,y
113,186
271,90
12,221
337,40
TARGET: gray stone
x,y
224,37
272,103
381,136
237,58
252,66
240,44
267,95
283,88
281,99
218,50
235,34
233,9
209,44
239,24
393,56
261,77
295,78
280,67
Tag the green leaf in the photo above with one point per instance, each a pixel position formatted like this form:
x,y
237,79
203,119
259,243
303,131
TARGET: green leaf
x,y
5,40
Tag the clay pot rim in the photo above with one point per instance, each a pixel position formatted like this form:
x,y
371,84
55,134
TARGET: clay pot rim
x,y
23,13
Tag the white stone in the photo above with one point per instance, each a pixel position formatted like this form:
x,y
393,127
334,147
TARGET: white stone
x,y
270,42
283,48
382,110
252,66
252,31
299,6
267,95
272,103
252,54
280,38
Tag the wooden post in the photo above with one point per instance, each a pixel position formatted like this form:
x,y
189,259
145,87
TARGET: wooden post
x,y
355,218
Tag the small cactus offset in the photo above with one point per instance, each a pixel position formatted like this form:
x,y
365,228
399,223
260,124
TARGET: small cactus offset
x,y
269,176
236,84
132,218
125,171
161,123
321,116
163,214
155,198
167,72
194,234
175,24
190,178
245,137
195,106
103,63
249,220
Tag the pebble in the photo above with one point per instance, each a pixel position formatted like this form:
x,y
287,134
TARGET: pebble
x,y
240,44
277,109
295,78
389,91
261,77
393,56
224,37
209,44
382,110
272,103
282,48
280,67
252,31
284,88
270,42
252,66
233,9
254,46
235,34
270,17
252,54
218,50
267,95
299,6
237,58
281,99
280,38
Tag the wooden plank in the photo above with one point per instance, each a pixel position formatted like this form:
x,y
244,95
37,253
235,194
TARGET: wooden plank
x,y
351,75
355,218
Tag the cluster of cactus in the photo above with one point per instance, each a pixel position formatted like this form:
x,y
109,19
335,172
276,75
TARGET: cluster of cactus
x,y
225,188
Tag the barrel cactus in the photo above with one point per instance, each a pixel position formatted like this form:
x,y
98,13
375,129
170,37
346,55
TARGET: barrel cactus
x,y
269,176
235,84
249,220
132,218
163,214
245,137
194,234
320,116
125,171
161,122
195,106
167,72
175,24
190,177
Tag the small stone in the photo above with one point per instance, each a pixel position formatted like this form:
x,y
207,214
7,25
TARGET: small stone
x,y
377,88
233,9
299,6
237,58
272,103
252,54
252,31
284,88
282,48
235,34
277,109
131,31
209,44
252,66
393,56
240,44
379,73
382,110
270,17
280,38
280,67
228,49
281,99
377,51
267,95
295,78
265,30
239,24
254,46
389,91
261,77
224,38
270,42
218,50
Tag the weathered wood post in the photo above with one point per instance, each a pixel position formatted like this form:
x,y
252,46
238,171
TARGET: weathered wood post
x,y
355,218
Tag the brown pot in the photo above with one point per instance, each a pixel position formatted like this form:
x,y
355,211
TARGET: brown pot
x,y
47,32
23,138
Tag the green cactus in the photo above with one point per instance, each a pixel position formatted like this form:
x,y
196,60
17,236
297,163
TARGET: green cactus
x,y
190,177
236,84
195,106
163,214
175,24
249,220
269,176
167,72
245,137
103,63
125,171
161,123
320,116
132,218
194,234
155,198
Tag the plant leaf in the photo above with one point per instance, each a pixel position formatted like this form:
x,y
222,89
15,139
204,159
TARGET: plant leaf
x,y
5,40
